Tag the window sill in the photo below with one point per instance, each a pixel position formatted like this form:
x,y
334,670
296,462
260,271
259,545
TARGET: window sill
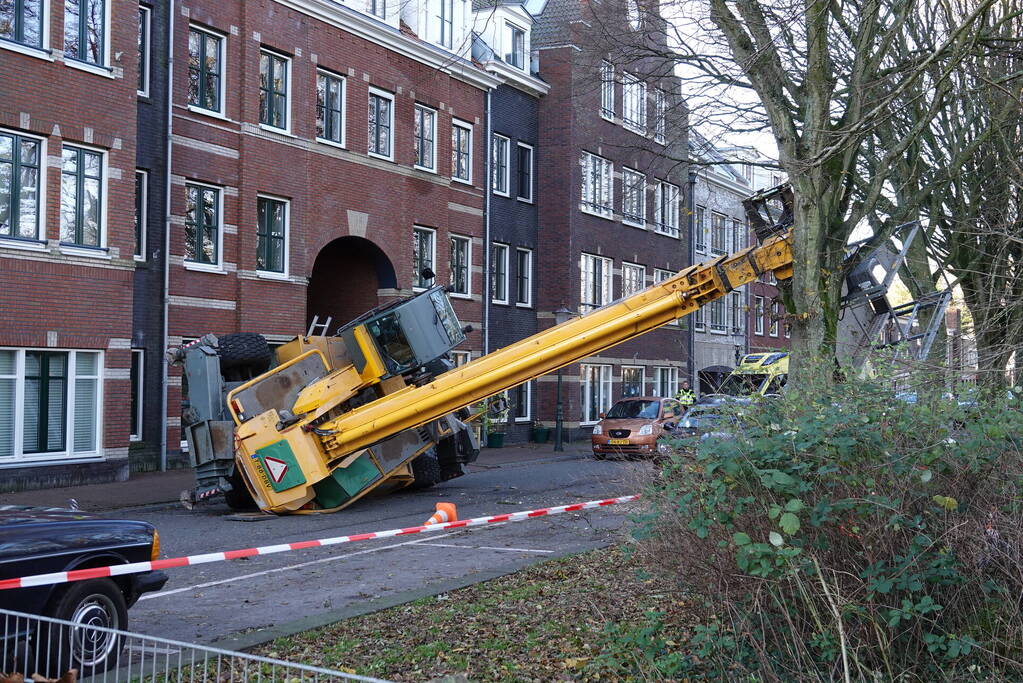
x,y
660,140
88,252
591,212
462,181
467,296
500,302
200,268
721,332
25,244
375,155
424,169
700,329
502,194
104,71
49,459
280,131
212,113
139,259
609,119
270,275
522,420
525,200
37,52
673,235
331,143
518,305
634,128
632,224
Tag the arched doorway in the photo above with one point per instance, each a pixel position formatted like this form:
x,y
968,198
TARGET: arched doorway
x,y
346,276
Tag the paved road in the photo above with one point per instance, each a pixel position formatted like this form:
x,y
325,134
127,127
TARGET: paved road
x,y
210,602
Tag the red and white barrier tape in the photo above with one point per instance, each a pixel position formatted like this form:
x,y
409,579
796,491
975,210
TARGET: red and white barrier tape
x,y
137,567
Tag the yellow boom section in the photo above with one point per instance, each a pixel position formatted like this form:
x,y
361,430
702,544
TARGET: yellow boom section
x,y
555,347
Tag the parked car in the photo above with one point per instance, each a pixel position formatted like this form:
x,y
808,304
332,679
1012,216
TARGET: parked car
x,y
43,540
633,425
700,420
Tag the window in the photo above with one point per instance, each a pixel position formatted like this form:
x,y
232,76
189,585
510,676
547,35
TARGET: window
x,y
515,52
525,170
202,225
607,90
738,323
21,21
460,357
20,163
499,273
775,318
699,323
595,282
700,238
85,31
633,380
330,107
787,328
632,13
273,90
660,276
524,277
81,197
141,197
719,234
377,8
426,138
597,191
205,70
271,235
137,390
666,210
595,390
633,103
460,262
49,404
718,314
738,235
499,153
381,122
519,400
665,382
633,279
461,151
424,256
143,74
758,315
634,199
660,115
442,22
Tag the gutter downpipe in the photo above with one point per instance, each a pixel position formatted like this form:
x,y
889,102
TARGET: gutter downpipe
x,y
692,260
164,365
486,229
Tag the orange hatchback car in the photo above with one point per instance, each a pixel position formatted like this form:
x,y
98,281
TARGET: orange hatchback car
x,y
633,425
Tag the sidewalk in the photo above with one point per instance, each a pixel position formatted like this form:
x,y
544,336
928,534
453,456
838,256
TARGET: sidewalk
x,y
154,488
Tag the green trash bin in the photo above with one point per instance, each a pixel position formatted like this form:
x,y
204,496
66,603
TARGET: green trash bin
x,y
540,434
495,440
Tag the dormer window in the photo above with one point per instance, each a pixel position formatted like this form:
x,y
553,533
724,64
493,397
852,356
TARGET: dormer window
x,y
377,8
515,53
444,22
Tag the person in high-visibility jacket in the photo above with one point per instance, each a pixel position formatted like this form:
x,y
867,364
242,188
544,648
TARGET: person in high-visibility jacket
x,y
685,395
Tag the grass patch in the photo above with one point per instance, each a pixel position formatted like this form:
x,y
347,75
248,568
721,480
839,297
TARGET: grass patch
x,y
562,619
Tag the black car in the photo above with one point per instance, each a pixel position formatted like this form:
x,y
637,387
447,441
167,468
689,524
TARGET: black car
x,y
43,540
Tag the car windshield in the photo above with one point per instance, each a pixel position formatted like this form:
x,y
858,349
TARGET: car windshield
x,y
625,410
742,385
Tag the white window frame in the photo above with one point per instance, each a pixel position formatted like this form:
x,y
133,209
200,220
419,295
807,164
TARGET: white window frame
x,y
528,393
586,389
438,24
499,142
607,90
699,320
377,92
633,15
633,103
532,167
422,107
642,379
719,310
139,389
270,274
700,228
466,126
147,51
669,224
604,194
39,241
69,453
433,257
758,315
217,267
667,374
775,324
99,250
519,251
43,51
635,267
738,325
505,250
222,59
343,143
509,32
104,68
660,275
587,281
143,217
660,115
460,357
627,185
720,246
467,294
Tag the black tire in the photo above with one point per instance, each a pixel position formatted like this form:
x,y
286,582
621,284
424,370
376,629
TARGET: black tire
x,y
97,602
239,498
244,350
426,470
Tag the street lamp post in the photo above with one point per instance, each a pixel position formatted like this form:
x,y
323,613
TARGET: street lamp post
x,y
561,315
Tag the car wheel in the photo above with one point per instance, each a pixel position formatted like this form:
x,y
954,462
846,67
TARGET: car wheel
x,y
239,498
97,602
425,470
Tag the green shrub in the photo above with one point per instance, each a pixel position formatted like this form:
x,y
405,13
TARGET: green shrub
x,y
843,533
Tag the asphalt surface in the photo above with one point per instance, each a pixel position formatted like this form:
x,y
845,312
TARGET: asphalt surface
x,y
249,600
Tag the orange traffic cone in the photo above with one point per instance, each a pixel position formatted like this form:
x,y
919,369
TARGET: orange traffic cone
x,y
445,513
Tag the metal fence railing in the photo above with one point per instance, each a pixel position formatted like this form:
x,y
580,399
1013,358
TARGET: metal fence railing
x,y
52,648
